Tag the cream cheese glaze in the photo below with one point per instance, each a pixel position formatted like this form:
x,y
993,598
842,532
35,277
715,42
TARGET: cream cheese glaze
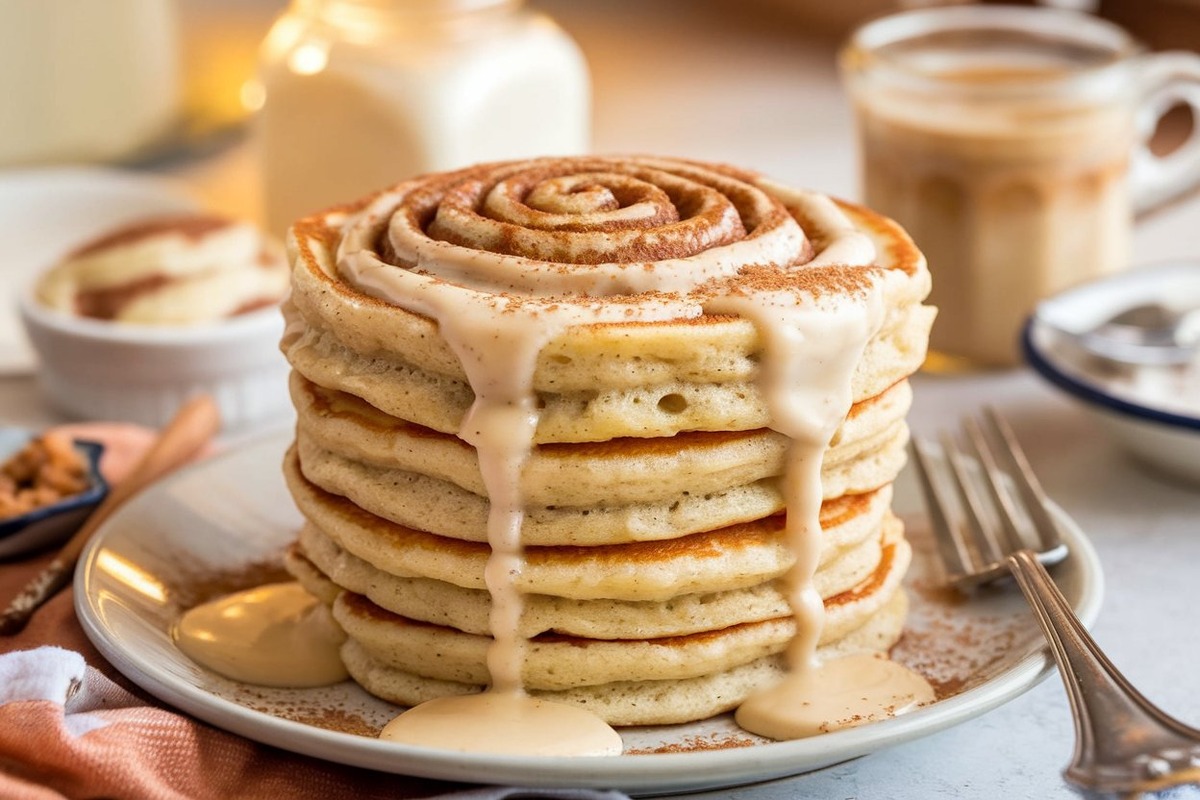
x,y
504,722
272,635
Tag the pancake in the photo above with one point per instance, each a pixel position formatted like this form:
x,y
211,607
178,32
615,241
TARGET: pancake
x,y
395,649
632,702
585,415
322,565
415,500
350,343
559,393
728,558
593,382
613,472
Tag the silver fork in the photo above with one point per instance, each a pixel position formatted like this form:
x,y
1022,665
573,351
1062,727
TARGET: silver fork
x,y
990,518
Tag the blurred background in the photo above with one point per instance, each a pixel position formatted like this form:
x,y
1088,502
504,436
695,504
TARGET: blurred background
x,y
167,85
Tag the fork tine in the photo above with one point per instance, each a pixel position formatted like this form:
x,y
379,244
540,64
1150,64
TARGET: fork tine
x,y
991,551
1016,536
951,544
1026,482
982,512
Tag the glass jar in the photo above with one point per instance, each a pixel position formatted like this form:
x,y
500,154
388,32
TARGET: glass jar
x,y
1012,145
361,94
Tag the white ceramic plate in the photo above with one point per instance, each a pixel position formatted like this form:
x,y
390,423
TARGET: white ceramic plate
x,y
45,213
214,527
1153,413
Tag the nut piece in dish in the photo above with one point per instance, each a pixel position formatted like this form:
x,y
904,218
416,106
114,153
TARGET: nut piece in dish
x,y
43,472
48,485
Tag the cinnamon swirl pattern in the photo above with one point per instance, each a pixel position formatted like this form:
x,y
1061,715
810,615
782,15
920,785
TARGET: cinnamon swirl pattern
x,y
600,430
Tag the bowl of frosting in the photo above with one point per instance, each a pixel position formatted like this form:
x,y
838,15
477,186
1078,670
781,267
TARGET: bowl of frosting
x,y
130,324
1149,403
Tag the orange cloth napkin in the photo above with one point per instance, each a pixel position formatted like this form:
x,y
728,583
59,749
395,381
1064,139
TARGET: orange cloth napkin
x,y
111,740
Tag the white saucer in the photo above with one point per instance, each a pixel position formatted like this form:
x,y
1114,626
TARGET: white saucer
x,y
216,524
45,213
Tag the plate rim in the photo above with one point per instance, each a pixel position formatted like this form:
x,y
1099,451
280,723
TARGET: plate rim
x,y
637,774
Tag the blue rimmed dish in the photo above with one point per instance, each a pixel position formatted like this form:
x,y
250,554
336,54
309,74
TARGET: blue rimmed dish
x,y
1151,412
54,523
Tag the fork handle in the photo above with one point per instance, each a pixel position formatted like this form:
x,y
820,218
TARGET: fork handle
x,y
1123,743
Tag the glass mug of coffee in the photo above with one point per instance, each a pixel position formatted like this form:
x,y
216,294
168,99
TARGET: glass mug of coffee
x,y
1011,143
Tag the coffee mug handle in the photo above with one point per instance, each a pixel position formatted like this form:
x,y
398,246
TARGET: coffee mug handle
x,y
1168,79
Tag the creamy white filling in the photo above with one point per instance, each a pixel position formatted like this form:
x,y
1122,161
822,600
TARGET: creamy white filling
x,y
172,276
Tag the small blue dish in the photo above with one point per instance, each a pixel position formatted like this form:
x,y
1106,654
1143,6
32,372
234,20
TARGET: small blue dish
x,y
54,523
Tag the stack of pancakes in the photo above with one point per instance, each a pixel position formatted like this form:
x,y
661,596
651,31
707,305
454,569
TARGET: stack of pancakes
x,y
654,509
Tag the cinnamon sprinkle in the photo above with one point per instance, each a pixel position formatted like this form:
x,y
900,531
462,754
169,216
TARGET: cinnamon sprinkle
x,y
107,303
699,744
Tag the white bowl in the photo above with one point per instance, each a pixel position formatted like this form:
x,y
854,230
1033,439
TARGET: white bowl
x,y
45,212
95,369
1153,413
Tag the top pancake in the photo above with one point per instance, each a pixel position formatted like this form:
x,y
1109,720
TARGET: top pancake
x,y
686,369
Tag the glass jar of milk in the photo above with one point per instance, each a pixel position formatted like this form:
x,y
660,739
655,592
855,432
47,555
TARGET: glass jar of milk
x,y
361,94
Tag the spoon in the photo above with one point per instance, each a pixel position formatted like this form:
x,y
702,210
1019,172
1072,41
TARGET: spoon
x,y
1149,334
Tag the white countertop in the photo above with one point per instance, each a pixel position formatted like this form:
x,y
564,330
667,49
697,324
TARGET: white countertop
x,y
764,96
